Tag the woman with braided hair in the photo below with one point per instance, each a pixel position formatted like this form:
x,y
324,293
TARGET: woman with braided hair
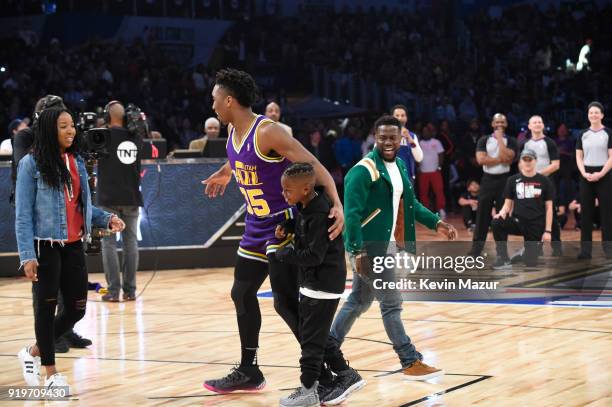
x,y
54,214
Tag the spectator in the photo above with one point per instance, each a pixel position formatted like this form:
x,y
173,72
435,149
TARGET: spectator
x,y
347,150
468,202
212,128
467,109
448,142
469,168
409,151
273,111
430,171
187,133
6,147
446,111
321,149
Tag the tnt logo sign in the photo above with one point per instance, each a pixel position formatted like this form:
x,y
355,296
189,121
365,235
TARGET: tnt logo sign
x,y
127,152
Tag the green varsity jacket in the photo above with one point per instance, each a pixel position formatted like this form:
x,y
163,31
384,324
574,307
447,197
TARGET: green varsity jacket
x,y
368,206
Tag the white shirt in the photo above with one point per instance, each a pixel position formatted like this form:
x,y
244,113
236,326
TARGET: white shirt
x,y
431,161
493,151
398,190
582,57
540,147
6,147
417,153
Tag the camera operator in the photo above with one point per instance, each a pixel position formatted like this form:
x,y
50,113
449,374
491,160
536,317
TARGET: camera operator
x,y
22,145
119,192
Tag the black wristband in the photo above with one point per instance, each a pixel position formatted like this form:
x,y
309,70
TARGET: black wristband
x,y
547,231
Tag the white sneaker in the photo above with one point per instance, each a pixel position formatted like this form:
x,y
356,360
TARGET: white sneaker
x,y
58,380
30,365
442,214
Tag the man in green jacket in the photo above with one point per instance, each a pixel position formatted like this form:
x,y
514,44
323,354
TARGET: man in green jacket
x,y
378,195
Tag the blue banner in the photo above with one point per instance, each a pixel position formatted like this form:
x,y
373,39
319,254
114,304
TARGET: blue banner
x,y
176,212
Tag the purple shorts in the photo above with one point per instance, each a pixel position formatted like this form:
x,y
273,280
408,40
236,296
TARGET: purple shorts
x,y
258,239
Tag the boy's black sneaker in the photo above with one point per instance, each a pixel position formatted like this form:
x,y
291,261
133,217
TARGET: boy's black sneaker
x,y
347,382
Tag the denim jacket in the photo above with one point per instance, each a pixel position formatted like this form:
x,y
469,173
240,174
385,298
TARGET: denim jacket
x,y
41,209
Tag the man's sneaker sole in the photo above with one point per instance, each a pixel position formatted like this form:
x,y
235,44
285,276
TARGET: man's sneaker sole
x,y
311,405
247,389
424,377
335,402
341,398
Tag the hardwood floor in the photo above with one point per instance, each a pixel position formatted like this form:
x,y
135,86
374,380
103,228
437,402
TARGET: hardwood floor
x,y
182,330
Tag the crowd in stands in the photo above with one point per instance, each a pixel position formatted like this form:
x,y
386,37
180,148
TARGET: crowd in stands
x,y
513,61
465,69
89,76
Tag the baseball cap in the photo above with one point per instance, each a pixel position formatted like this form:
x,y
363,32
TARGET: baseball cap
x,y
529,153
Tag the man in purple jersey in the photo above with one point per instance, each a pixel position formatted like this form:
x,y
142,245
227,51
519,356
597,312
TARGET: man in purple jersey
x,y
258,151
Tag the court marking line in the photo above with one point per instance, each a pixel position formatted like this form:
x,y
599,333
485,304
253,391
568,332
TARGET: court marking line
x,y
445,391
445,374
562,274
567,277
380,318
498,324
411,403
198,331
499,304
195,362
559,291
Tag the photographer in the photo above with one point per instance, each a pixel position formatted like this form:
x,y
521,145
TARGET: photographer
x,y
119,192
54,214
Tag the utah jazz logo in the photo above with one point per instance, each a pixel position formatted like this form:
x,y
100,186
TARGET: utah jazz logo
x,y
246,175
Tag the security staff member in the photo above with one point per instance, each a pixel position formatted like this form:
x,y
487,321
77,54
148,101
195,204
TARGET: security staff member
x,y
495,154
547,164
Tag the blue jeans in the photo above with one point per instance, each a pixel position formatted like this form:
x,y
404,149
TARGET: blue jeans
x,y
359,301
129,263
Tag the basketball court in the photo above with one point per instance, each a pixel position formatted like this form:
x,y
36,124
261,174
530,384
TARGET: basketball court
x,y
182,330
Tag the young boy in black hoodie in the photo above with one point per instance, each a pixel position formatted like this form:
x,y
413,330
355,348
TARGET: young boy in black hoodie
x,y
322,275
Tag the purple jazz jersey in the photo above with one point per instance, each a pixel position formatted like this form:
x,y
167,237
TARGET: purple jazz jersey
x,y
258,177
